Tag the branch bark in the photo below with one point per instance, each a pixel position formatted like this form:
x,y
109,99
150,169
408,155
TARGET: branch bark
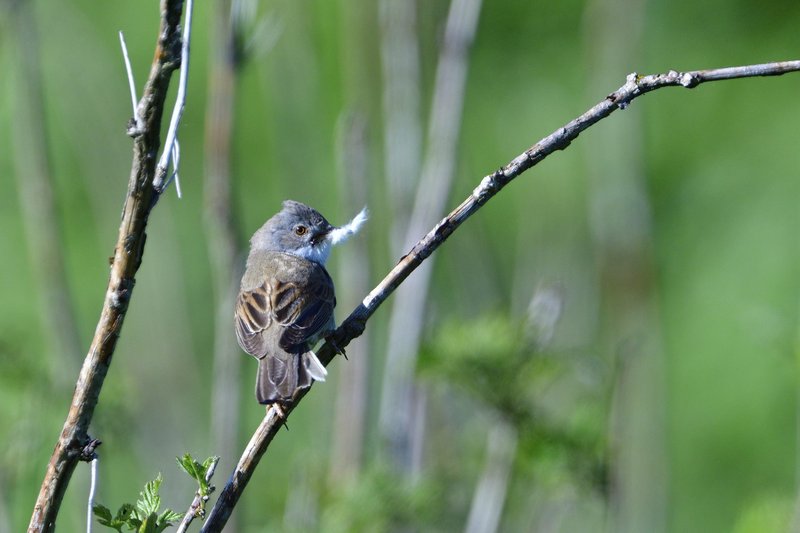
x,y
634,87
139,201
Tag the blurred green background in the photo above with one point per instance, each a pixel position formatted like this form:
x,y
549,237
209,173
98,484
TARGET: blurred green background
x,y
609,345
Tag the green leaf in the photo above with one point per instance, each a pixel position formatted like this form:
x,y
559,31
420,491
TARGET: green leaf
x,y
208,462
125,512
143,518
191,467
169,516
149,524
197,471
103,515
149,500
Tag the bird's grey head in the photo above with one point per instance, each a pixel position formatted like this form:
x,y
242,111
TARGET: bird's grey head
x,y
296,229
300,230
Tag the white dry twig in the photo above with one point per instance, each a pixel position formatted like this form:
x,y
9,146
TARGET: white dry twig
x,y
159,183
131,84
92,488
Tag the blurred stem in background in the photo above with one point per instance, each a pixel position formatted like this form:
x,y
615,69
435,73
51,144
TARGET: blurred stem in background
x,y
490,493
402,153
353,170
223,243
350,416
37,198
402,126
621,229
30,152
402,414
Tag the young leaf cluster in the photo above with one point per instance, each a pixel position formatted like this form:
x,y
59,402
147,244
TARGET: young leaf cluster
x,y
143,517
201,473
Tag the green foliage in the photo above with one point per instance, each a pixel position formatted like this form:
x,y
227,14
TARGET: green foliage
x,y
557,401
380,502
144,517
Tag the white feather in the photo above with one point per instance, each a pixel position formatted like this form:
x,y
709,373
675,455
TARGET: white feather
x,y
343,233
314,366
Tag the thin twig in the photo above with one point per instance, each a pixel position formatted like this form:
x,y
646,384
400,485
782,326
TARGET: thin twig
x,y
269,426
140,200
92,492
196,507
159,182
131,83
490,185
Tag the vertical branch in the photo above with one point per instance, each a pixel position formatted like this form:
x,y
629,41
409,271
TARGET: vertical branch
x,y
401,110
620,224
353,168
408,309
223,247
490,494
140,199
351,399
40,212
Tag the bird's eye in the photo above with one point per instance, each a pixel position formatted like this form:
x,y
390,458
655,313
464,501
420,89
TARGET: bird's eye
x,y
300,230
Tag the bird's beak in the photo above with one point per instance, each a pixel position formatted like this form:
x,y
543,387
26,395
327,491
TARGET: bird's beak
x,y
322,235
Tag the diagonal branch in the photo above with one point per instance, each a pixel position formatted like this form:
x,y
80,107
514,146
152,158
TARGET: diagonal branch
x,y
139,201
490,185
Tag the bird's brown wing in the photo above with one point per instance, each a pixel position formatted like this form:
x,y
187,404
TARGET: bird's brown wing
x,y
252,318
307,314
301,304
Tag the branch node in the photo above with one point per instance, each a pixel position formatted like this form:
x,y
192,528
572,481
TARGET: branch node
x,y
133,129
487,185
689,80
88,452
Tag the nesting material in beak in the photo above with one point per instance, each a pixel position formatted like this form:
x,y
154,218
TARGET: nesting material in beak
x,y
343,233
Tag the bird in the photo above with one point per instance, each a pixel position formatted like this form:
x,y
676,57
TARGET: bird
x,y
286,298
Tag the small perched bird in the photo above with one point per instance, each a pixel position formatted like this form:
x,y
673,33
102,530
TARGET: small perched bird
x,y
286,300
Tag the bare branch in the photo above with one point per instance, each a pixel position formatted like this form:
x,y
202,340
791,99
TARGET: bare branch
x,y
258,444
489,186
140,200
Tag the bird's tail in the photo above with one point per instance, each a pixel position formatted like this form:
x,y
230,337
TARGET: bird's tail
x,y
279,378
